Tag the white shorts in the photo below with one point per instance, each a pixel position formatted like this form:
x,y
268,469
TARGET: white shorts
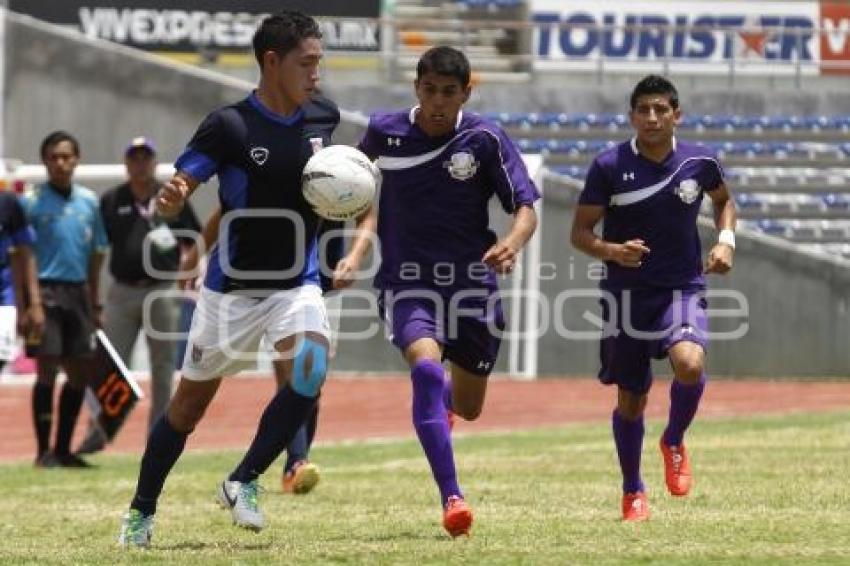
x,y
8,332
227,329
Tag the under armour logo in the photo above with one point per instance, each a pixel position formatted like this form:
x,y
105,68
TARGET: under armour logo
x,y
483,365
394,142
630,176
259,155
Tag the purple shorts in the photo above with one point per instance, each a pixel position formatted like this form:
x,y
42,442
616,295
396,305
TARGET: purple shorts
x,y
647,322
470,335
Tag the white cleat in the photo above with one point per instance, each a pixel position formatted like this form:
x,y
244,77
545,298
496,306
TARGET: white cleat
x,y
241,499
136,530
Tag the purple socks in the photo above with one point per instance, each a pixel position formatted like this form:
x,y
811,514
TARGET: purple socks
x,y
447,394
628,436
431,424
684,401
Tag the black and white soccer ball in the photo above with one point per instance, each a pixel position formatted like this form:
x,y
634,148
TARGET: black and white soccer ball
x,y
340,182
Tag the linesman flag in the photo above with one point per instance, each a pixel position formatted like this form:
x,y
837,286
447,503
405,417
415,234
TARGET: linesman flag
x,y
112,392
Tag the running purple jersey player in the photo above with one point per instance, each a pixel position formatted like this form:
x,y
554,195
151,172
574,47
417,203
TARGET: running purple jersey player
x,y
649,191
440,260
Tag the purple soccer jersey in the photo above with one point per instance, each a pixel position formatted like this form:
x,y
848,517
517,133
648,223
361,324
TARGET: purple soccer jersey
x,y
433,225
655,202
433,220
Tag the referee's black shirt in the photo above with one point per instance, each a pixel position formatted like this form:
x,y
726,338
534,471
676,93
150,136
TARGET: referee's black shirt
x,y
128,223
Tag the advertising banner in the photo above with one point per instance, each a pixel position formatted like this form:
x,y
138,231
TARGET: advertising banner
x,y
783,37
225,25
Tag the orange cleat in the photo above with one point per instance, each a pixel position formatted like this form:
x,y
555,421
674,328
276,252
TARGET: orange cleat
x,y
635,507
457,517
677,469
301,479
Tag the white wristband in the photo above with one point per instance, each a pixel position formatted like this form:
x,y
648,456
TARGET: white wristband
x,y
727,237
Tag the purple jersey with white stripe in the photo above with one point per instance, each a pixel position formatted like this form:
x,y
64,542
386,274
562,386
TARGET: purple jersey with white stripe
x,y
433,217
657,203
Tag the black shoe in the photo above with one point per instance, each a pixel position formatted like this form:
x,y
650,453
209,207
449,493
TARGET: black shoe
x,y
46,460
72,461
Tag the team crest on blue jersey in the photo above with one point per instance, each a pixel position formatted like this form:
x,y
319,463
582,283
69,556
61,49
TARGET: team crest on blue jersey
x,y
259,154
688,190
462,166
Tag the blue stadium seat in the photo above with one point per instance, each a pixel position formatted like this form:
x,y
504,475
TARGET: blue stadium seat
x,y
747,201
837,201
574,171
773,227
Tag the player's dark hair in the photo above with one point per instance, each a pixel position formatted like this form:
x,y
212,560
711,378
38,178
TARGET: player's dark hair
x,y
654,84
283,32
55,138
446,61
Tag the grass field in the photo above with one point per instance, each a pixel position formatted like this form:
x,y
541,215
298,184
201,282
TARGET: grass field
x,y
771,490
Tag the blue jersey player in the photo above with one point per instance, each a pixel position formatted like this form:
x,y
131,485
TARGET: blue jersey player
x,y
649,190
20,298
262,279
437,279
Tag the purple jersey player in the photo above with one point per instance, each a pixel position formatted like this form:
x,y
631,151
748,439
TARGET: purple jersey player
x,y
649,191
437,279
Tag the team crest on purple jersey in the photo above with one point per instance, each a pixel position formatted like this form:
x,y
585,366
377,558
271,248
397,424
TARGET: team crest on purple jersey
x,y
462,166
688,190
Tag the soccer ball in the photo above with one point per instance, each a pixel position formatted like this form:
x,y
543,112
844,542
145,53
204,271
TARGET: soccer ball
x,y
339,181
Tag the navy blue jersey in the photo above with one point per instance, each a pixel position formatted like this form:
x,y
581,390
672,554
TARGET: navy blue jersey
x,y
333,252
259,157
14,231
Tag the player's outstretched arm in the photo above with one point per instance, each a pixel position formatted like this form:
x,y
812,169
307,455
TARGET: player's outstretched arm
x,y
502,255
582,236
346,269
173,194
725,218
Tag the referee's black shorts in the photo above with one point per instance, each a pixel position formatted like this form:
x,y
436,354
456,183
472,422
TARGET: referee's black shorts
x,y
68,326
